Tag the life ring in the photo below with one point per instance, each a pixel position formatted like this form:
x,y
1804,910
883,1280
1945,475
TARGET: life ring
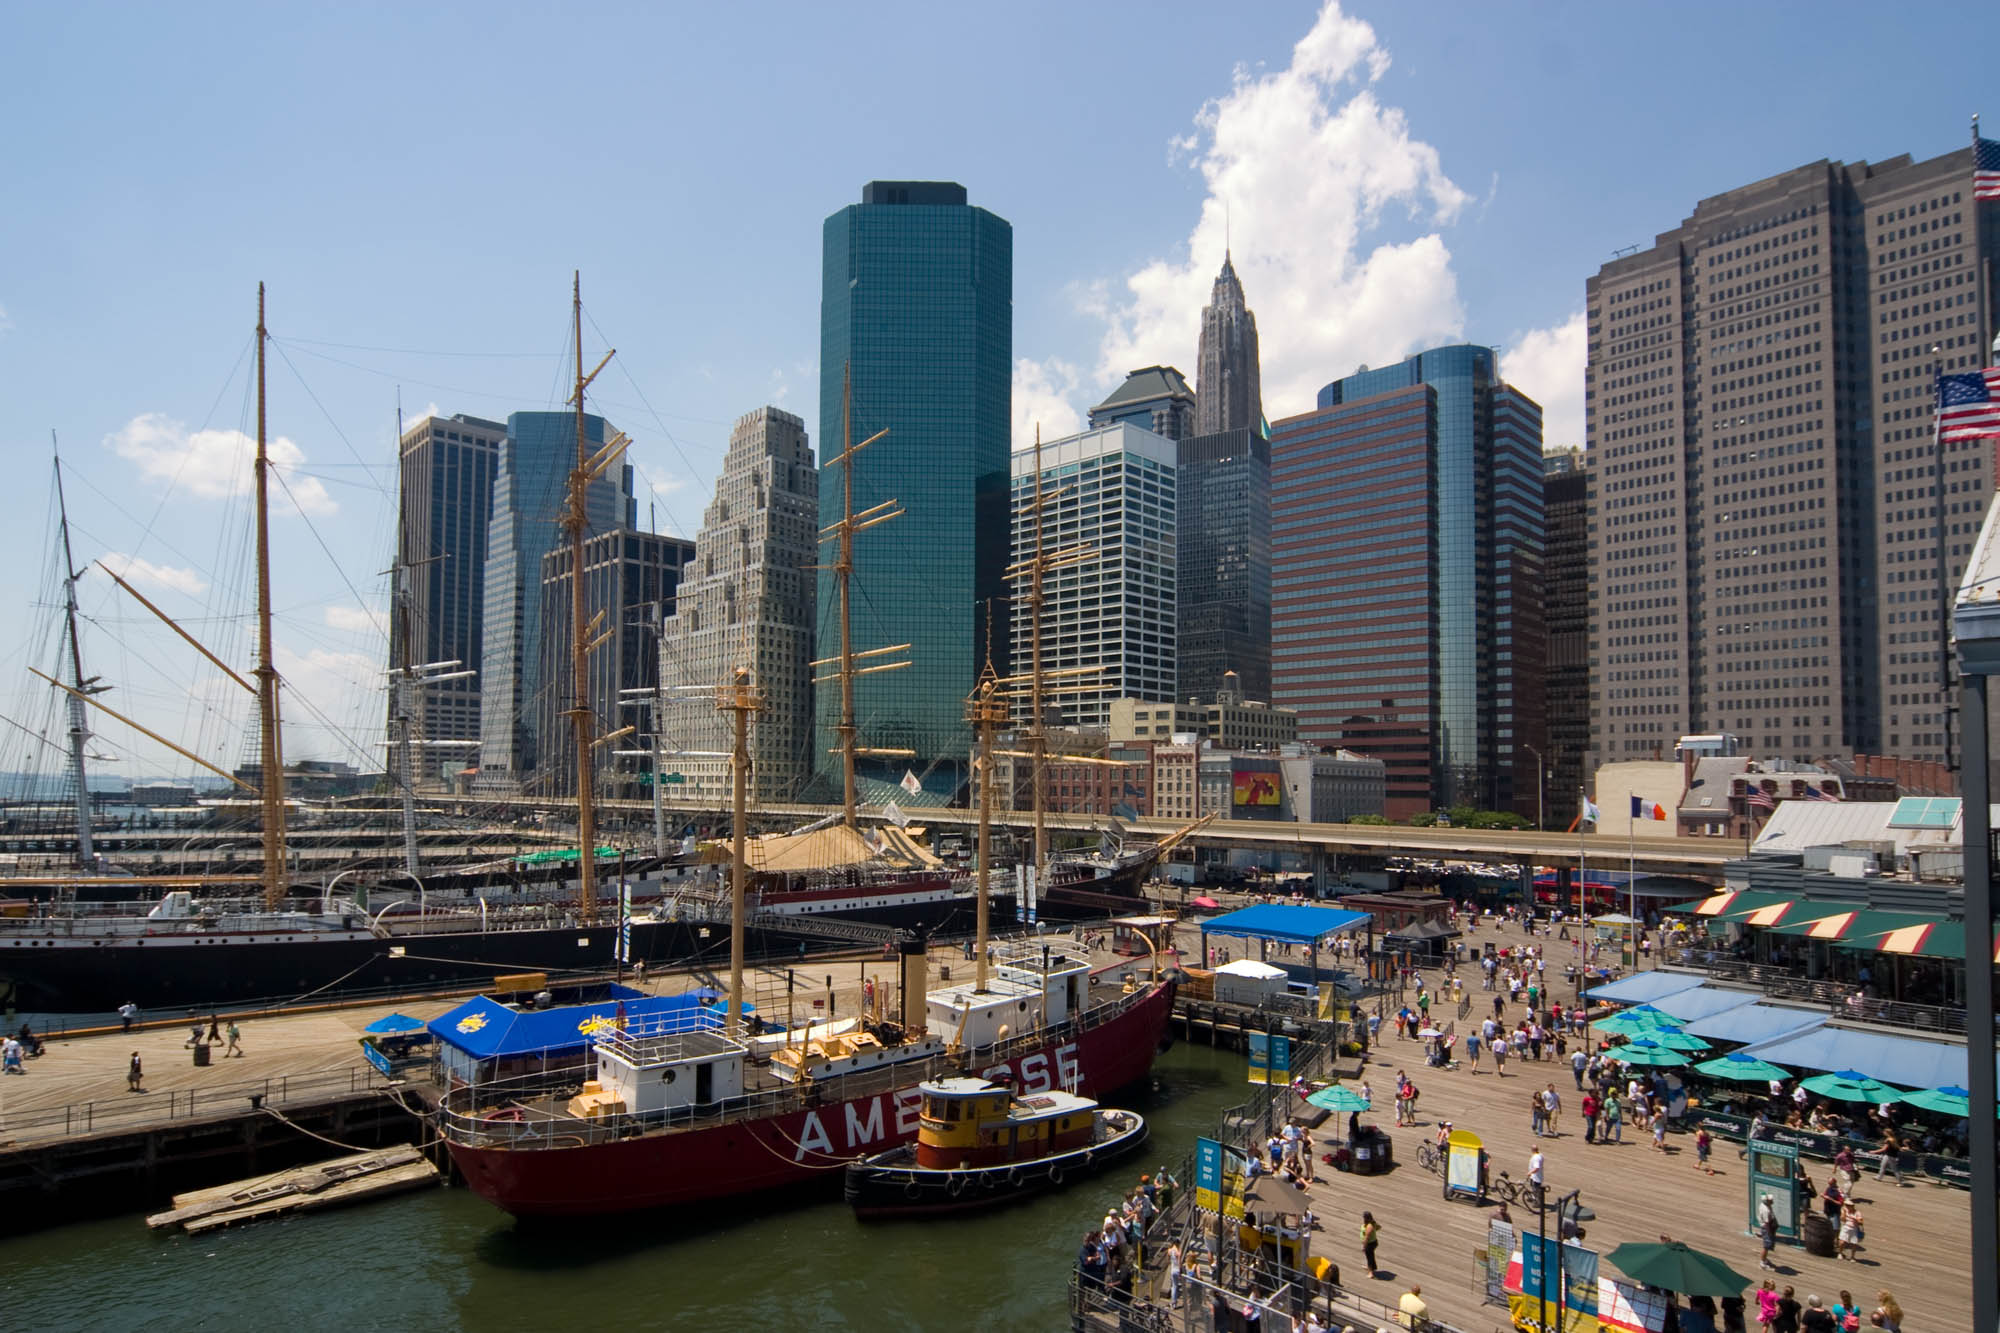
x,y
956,1186
1014,1178
1056,1174
507,1115
910,1191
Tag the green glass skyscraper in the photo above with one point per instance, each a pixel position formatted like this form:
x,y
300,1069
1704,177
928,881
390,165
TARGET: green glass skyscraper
x,y
917,309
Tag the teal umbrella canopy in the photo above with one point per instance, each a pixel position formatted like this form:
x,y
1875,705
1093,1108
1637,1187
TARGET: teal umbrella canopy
x,y
1651,1053
1333,1097
1951,1101
1676,1040
1740,1068
1850,1086
1644,1019
1672,1266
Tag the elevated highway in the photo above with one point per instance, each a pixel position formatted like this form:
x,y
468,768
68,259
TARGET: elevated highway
x,y
1702,857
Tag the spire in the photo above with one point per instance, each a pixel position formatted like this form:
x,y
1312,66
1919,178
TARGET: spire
x,y
1227,391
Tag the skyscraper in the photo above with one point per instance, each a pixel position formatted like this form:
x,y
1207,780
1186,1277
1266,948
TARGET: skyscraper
x,y
916,309
1229,393
1406,567
1566,603
1110,616
1765,494
1223,562
1154,398
748,600
535,460
446,475
629,580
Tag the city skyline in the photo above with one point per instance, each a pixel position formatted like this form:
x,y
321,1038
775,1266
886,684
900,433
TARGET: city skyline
x,y
1488,208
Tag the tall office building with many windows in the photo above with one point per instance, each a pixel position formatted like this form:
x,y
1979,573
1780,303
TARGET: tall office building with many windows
x,y
446,477
1154,398
1566,617
916,309
1224,558
1766,495
535,461
747,600
1107,623
1406,566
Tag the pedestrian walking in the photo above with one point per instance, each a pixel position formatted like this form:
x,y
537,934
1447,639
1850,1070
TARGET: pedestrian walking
x,y
1767,1235
1552,1104
214,1030
1472,1050
235,1040
1851,1232
1614,1118
1847,1312
1371,1236
1578,1060
1660,1131
1538,1113
128,1013
1590,1110
1891,1156
194,1034
1703,1141
135,1074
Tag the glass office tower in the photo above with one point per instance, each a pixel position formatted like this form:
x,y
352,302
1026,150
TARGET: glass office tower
x,y
917,306
1460,485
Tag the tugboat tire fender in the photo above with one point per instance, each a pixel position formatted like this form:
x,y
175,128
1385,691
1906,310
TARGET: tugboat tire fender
x,y
910,1191
1056,1174
956,1187
1014,1178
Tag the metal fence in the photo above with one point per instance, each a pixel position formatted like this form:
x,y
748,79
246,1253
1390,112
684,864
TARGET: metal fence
x,y
141,1110
1783,983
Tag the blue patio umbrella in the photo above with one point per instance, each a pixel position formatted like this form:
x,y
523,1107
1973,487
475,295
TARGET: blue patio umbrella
x,y
394,1025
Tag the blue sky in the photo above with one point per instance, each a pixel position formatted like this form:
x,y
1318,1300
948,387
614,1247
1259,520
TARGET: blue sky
x,y
416,184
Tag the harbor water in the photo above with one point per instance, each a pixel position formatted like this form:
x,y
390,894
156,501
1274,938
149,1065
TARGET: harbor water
x,y
446,1260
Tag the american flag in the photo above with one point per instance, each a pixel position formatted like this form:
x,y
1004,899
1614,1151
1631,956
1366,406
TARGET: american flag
x,y
1986,169
1761,799
1815,794
1969,405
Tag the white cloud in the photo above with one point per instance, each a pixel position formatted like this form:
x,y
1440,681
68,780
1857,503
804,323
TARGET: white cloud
x,y
214,464
1303,167
428,411
356,619
6,324
1547,365
1042,397
343,688
145,574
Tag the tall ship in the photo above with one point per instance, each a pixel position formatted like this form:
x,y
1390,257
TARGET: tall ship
x,y
673,1117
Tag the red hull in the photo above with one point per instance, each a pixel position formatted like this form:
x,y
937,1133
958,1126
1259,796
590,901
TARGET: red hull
x,y
744,1157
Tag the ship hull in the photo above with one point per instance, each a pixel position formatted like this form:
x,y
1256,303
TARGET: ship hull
x,y
805,1147
1116,894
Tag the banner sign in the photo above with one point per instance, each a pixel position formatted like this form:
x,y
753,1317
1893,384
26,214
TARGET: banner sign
x,y
1218,1179
1250,787
1270,1058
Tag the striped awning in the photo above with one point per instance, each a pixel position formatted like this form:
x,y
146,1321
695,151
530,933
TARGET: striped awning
x,y
1937,939
1822,921
1733,903
1863,924
1792,911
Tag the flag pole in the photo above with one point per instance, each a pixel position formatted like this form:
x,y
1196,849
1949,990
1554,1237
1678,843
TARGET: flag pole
x,y
1632,880
1582,893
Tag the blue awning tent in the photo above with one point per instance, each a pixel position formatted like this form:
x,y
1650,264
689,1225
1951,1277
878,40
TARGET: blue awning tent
x,y
1748,1023
1907,1062
1703,1002
1644,987
1286,923
485,1029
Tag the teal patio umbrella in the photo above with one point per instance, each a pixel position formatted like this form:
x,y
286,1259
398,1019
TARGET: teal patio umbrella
x,y
1636,1022
1949,1100
1333,1097
1851,1086
1676,1040
1645,1052
1740,1068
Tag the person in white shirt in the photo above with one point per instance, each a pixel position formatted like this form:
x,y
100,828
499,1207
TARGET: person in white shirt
x,y
1535,1167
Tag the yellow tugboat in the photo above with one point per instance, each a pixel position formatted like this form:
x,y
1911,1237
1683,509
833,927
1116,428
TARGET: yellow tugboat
x,y
979,1143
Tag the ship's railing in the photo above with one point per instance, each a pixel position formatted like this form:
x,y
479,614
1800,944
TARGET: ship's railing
x,y
467,1113
105,1117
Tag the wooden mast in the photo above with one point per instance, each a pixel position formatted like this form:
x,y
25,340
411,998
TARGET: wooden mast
x,y
1038,738
576,518
271,752
987,710
79,722
741,700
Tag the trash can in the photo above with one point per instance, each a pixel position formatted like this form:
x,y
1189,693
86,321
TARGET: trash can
x,y
1373,1153
1817,1234
201,1055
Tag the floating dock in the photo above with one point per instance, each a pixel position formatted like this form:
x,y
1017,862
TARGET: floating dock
x,y
304,1189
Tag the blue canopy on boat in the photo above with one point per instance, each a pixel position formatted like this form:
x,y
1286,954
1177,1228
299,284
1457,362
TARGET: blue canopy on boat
x,y
394,1025
485,1028
1288,923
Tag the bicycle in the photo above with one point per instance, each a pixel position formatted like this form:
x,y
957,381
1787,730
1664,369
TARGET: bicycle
x,y
1511,1192
1430,1158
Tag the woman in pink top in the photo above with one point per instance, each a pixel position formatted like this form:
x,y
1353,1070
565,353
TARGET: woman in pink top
x,y
1767,1304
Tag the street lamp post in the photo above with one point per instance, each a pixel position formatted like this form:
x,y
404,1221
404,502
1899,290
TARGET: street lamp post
x,y
1540,787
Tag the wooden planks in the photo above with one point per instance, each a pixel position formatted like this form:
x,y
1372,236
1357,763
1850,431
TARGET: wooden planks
x,y
304,1189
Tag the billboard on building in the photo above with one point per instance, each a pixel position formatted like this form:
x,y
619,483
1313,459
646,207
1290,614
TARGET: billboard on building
x,y
1254,787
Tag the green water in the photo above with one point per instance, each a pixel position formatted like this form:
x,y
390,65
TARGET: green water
x,y
445,1260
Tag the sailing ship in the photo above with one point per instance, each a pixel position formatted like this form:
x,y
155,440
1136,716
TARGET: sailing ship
x,y
177,949
676,1117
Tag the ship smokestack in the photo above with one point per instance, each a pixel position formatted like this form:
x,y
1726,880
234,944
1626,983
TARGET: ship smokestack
x,y
916,981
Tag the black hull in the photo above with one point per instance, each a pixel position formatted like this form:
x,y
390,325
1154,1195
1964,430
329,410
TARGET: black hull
x,y
878,1187
1121,893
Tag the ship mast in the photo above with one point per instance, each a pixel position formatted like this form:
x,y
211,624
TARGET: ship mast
x,y
271,756
79,731
740,700
402,690
842,569
1038,739
987,710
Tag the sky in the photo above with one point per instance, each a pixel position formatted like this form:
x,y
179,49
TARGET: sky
x,y
416,185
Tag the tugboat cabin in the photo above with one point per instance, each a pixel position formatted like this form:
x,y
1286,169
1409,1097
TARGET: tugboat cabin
x,y
973,1122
